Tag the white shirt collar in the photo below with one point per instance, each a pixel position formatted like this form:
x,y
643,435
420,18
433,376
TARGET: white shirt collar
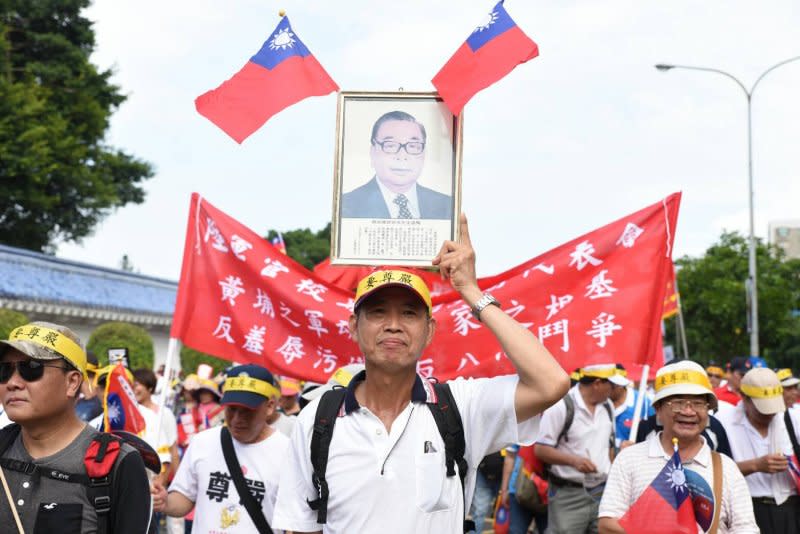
x,y
703,456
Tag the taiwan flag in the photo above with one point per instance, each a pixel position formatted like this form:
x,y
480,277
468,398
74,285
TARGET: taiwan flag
x,y
119,404
665,507
493,49
794,470
282,73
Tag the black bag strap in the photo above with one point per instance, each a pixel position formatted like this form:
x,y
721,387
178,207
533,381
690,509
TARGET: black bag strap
x,y
451,428
250,504
324,420
569,404
792,435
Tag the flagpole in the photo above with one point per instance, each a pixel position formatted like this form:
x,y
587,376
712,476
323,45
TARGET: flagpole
x,y
172,351
684,345
637,409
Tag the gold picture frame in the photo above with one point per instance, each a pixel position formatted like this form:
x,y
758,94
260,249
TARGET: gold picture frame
x,y
371,224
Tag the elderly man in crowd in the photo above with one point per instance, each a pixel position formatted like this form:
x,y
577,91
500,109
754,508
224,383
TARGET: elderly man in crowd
x,y
682,401
388,466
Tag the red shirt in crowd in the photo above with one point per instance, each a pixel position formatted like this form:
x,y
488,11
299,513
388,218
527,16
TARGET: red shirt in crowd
x,y
723,393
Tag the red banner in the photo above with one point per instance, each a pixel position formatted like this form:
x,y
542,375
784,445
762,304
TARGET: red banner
x,y
597,298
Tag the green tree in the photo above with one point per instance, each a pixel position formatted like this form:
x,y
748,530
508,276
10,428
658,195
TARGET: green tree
x,y
191,358
712,291
9,320
306,247
116,335
59,176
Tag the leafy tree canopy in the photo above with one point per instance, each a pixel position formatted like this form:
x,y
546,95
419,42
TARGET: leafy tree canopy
x,y
116,335
306,247
9,320
191,359
59,176
712,289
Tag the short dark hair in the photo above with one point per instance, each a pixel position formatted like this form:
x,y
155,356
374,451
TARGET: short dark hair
x,y
396,116
145,377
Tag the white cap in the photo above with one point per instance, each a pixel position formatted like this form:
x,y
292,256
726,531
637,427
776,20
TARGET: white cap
x,y
762,386
341,377
683,378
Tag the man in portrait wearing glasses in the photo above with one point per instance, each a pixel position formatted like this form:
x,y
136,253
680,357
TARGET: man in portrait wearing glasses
x,y
682,401
49,455
397,154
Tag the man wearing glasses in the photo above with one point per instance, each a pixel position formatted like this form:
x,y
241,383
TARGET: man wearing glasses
x,y
47,454
397,154
682,401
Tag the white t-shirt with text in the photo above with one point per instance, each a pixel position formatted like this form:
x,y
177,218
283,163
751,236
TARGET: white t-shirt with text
x,y
203,477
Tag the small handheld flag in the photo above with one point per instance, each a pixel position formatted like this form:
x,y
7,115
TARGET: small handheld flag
x,y
665,507
282,73
491,51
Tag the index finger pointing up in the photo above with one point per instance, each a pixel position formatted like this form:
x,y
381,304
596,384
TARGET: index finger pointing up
x,y
463,230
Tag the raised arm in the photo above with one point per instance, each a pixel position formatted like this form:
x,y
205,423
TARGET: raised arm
x,y
542,382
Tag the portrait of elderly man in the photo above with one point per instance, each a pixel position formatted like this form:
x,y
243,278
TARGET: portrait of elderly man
x,y
397,154
682,401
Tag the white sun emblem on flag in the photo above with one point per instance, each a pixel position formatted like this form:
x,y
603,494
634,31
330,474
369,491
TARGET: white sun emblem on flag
x,y
677,478
283,39
114,412
490,19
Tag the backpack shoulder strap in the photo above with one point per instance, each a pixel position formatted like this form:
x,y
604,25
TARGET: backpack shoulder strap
x,y
787,418
716,462
451,428
235,469
7,436
324,421
569,404
99,460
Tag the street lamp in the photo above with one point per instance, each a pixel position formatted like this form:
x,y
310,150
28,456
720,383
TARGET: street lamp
x,y
754,351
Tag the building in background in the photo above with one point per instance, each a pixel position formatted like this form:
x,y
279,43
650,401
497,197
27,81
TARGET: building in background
x,y
786,235
83,296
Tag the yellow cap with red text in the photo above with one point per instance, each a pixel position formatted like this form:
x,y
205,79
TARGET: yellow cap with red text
x,y
392,278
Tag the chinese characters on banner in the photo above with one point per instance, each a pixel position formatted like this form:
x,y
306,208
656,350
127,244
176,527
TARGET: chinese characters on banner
x,y
597,298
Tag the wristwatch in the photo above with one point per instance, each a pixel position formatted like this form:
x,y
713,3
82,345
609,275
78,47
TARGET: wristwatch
x,y
486,300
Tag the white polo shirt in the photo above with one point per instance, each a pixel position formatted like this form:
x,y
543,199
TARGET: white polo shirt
x,y
383,482
747,443
636,466
588,436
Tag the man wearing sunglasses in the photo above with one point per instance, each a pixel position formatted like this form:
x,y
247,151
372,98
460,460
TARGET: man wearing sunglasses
x,y
46,455
397,154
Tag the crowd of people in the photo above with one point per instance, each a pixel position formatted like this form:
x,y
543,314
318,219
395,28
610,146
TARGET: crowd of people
x,y
380,448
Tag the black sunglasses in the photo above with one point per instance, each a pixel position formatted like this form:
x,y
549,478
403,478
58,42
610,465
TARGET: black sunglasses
x,y
29,370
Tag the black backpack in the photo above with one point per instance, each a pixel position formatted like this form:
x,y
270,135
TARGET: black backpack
x,y
448,421
100,461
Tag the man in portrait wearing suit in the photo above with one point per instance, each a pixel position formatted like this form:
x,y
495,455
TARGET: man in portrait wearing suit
x,y
397,155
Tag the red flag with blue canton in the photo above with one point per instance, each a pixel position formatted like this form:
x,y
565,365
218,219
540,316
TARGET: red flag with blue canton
x,y
282,73
493,50
665,507
119,404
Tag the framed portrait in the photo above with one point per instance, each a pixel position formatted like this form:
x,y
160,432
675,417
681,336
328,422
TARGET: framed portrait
x,y
397,178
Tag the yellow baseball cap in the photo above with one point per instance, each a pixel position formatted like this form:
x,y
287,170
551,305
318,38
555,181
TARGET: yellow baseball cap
x,y
392,278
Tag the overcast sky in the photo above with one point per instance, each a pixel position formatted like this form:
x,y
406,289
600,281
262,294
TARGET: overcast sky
x,y
580,136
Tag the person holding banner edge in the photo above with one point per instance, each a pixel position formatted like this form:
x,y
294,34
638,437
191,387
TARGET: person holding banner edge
x,y
386,463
